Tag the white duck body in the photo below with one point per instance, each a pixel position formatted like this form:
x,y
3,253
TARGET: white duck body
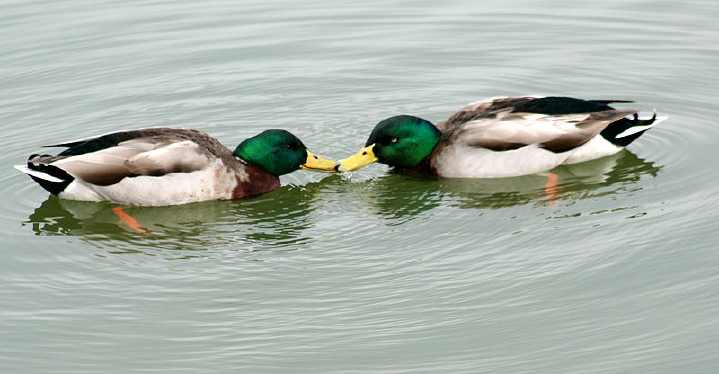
x,y
595,148
513,136
213,182
459,161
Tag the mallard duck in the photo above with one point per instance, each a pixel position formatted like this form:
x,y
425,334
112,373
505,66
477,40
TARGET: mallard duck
x,y
503,137
166,166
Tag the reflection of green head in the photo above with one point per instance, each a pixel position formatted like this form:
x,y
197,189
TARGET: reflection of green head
x,y
277,152
403,141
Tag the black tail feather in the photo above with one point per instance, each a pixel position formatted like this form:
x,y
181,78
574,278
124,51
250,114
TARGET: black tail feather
x,y
607,102
53,187
618,127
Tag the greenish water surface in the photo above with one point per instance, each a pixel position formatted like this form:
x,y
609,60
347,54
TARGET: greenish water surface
x,y
374,272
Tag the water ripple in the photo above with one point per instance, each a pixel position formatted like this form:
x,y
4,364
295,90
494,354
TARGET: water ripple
x,y
612,270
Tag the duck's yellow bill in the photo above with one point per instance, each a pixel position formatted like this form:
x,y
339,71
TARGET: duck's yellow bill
x,y
319,163
364,157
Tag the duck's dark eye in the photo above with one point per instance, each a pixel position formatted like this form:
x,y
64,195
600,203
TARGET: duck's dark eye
x,y
387,140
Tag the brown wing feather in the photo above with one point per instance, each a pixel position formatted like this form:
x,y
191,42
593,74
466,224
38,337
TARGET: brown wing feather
x,y
588,129
153,155
506,130
481,109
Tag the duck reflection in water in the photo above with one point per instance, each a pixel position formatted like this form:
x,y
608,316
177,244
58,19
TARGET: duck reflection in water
x,y
283,217
280,218
399,197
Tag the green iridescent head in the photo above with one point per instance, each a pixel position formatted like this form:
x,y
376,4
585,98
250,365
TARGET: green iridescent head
x,y
402,141
279,152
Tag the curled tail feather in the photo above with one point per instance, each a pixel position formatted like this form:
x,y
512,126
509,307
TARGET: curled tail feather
x,y
50,177
621,133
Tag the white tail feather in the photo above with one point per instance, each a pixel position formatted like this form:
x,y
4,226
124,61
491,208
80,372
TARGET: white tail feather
x,y
37,174
636,129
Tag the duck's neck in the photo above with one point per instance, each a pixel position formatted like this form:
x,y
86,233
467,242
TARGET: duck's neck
x,y
425,167
254,181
